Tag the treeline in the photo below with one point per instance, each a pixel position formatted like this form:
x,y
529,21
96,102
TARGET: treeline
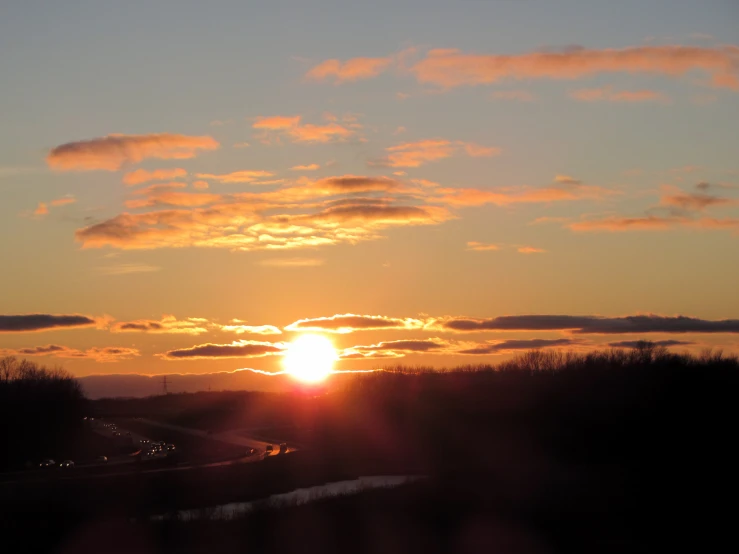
x,y
41,411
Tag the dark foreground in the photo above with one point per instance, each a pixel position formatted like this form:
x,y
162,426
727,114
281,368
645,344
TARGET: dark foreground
x,y
618,452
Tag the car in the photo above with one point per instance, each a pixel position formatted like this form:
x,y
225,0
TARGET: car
x,y
170,448
47,463
116,434
250,451
102,459
283,447
269,448
150,454
67,464
144,441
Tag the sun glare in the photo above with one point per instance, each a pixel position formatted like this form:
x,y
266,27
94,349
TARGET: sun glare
x,y
310,358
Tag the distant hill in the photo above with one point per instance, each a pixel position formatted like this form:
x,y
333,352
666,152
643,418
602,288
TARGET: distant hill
x,y
136,385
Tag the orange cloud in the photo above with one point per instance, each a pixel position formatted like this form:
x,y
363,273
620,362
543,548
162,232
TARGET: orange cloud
x,y
41,209
113,151
530,250
240,329
481,246
63,201
477,151
308,167
616,223
291,127
291,262
564,189
277,122
349,323
172,198
606,93
237,349
695,201
97,354
354,69
452,68
168,324
201,185
244,176
142,176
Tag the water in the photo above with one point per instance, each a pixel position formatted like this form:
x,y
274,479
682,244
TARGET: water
x,y
297,496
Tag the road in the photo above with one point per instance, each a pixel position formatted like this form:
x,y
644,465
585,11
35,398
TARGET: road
x,y
235,436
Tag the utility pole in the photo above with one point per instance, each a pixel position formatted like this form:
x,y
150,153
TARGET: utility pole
x,y
164,384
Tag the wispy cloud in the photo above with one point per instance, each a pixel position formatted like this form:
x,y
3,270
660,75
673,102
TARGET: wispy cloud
x,y
354,69
610,95
292,262
127,269
416,154
306,167
243,176
98,354
349,323
112,152
44,322
168,324
291,127
142,175
237,349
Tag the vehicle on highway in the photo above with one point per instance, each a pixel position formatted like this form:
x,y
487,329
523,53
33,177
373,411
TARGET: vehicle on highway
x,y
170,448
116,433
144,441
250,451
102,459
269,448
283,447
47,463
67,464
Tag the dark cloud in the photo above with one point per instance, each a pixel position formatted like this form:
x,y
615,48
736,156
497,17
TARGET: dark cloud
x,y
347,323
425,345
168,324
638,343
97,354
507,345
42,322
41,350
590,324
237,349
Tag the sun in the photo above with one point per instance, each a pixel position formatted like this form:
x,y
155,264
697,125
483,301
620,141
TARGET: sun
x,y
310,358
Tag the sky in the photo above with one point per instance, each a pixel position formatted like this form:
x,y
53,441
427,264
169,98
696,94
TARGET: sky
x,y
186,187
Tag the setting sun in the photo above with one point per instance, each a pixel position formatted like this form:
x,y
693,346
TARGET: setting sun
x,y
310,358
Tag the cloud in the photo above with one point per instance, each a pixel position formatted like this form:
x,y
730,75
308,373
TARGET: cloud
x,y
511,345
142,176
452,68
518,95
291,127
41,209
127,269
244,176
397,348
113,151
530,250
298,215
354,69
415,154
653,223
308,167
240,329
355,183
97,354
241,145
477,151
481,246
291,262
237,349
168,324
588,324
43,322
565,188
277,122
349,323
610,95
694,202
200,185
638,343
